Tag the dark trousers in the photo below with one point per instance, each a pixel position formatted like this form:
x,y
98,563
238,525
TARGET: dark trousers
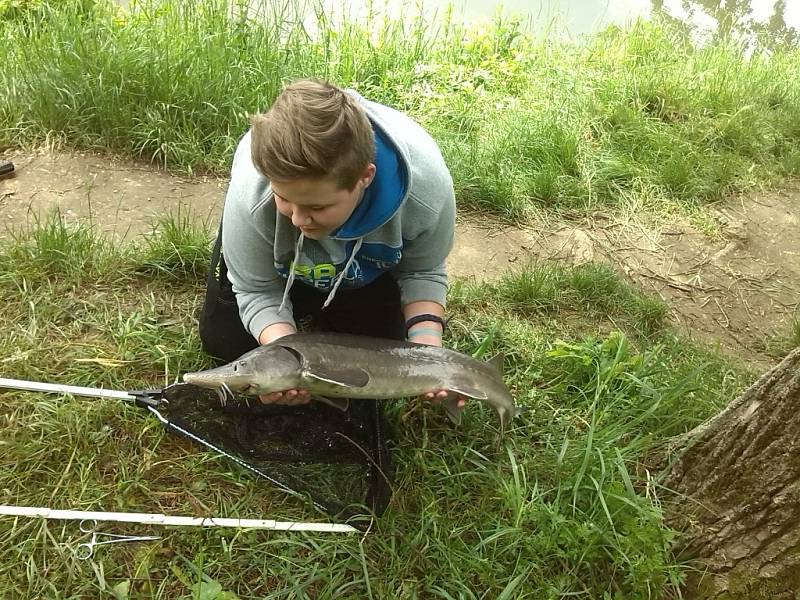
x,y
372,310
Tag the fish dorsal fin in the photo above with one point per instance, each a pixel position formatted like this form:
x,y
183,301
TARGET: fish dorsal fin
x,y
353,377
497,362
468,391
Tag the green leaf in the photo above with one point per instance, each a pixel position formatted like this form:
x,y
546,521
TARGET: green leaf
x,y
206,590
121,590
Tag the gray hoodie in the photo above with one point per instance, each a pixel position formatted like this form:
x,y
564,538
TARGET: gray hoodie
x,y
404,224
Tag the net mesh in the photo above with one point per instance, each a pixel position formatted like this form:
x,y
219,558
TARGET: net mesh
x,y
338,459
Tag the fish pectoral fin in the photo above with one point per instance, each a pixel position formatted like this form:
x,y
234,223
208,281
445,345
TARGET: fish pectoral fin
x,y
340,403
345,376
468,391
452,409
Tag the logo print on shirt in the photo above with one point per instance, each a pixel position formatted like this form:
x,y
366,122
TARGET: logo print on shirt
x,y
364,269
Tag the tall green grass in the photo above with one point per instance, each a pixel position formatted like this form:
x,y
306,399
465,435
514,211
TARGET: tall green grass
x,y
523,122
561,506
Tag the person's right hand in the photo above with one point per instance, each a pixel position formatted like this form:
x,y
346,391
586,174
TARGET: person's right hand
x,y
290,397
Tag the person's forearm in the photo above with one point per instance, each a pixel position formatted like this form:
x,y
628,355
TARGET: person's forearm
x,y
425,332
270,333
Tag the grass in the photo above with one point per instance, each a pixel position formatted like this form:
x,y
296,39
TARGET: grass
x,y
794,333
552,290
561,506
524,123
781,343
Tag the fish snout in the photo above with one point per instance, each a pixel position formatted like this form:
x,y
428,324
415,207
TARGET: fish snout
x,y
231,376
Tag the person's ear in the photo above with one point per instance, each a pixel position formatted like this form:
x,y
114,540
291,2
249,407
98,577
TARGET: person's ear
x,y
367,176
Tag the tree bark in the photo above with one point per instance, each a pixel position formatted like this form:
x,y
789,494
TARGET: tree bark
x,y
738,479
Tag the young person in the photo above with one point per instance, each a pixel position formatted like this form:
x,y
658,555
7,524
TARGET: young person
x,y
340,210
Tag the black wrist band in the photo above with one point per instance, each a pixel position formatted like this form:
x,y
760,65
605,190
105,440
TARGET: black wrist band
x,y
424,319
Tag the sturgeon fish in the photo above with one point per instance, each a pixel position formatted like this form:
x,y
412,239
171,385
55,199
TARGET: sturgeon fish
x,y
344,366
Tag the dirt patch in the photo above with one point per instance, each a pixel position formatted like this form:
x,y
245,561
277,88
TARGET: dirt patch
x,y
118,197
740,289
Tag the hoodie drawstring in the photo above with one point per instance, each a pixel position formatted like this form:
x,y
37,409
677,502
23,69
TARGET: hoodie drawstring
x,y
290,280
343,274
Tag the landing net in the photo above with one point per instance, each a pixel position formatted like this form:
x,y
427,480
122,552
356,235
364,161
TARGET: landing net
x,y
338,460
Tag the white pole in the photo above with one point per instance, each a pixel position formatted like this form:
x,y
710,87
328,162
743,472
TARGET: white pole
x,y
35,386
159,519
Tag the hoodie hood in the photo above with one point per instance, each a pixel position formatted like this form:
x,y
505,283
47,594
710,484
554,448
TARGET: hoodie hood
x,y
383,196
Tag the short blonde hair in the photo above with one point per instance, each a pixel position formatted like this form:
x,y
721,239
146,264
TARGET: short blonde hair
x,y
313,130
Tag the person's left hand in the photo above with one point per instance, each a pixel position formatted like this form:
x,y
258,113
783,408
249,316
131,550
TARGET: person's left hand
x,y
437,396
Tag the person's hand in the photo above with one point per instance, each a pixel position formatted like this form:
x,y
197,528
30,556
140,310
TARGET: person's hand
x,y
435,339
440,395
289,397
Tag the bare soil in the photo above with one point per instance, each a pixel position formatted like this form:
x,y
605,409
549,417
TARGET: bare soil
x,y
739,288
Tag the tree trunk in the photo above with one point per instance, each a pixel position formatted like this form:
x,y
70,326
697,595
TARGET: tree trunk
x,y
739,483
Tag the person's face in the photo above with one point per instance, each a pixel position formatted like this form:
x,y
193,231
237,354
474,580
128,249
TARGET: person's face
x,y
318,207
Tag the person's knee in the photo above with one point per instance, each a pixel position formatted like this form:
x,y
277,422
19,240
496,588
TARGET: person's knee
x,y
225,339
